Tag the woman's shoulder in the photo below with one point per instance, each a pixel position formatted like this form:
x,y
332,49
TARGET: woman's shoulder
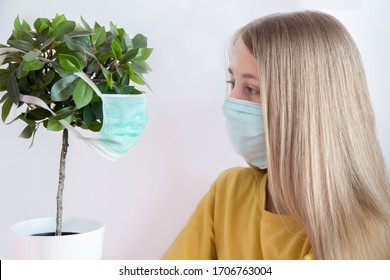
x,y
238,180
242,174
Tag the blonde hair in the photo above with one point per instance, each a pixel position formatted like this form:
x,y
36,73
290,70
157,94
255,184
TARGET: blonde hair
x,y
325,165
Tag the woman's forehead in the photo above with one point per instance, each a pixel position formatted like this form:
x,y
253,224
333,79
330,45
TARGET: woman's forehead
x,y
242,62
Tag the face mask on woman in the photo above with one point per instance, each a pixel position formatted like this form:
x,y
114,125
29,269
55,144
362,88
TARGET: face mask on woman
x,y
245,128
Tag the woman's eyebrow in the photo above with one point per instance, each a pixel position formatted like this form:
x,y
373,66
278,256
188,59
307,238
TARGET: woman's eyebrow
x,y
245,75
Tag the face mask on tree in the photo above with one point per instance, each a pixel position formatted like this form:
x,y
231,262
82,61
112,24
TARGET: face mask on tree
x,y
124,120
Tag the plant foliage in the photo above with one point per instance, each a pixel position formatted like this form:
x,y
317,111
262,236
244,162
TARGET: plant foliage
x,y
41,60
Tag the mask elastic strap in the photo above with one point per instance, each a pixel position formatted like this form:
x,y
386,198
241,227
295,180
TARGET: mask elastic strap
x,y
29,99
86,79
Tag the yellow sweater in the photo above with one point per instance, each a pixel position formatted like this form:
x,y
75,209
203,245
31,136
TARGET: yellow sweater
x,y
231,222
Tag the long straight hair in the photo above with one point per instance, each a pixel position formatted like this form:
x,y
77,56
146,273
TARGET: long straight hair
x,y
325,164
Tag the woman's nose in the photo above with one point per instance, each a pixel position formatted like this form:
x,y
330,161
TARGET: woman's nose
x,y
235,93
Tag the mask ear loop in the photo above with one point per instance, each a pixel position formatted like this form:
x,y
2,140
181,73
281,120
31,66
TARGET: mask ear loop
x,y
29,99
86,79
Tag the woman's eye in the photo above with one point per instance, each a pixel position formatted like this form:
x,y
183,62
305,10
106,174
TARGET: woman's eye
x,y
231,84
252,90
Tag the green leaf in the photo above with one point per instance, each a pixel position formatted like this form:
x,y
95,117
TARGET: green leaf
x,y
60,90
139,41
97,109
108,75
32,78
98,36
82,94
38,114
126,42
121,32
31,55
46,43
20,73
116,49
65,113
6,109
81,58
62,48
131,54
85,24
22,31
49,76
63,28
42,37
80,44
58,68
26,120
103,87
105,46
119,71
79,33
22,45
136,79
4,74
41,24
143,54
3,98
22,35
54,125
26,26
141,67
17,24
58,20
113,30
33,137
95,126
32,65
69,63
13,89
105,56
88,115
27,132
92,66
96,25
127,90
125,80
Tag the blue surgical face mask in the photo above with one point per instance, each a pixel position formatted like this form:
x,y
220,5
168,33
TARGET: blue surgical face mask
x,y
245,128
124,118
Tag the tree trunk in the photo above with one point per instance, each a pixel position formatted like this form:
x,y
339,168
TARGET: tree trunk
x,y
61,181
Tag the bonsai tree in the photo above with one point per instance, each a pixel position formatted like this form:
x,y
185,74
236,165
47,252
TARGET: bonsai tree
x,y
41,62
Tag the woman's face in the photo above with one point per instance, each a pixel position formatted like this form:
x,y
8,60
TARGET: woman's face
x,y
243,73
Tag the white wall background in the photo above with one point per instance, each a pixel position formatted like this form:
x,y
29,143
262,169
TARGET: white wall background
x,y
146,197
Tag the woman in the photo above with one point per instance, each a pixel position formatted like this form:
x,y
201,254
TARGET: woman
x,y
299,113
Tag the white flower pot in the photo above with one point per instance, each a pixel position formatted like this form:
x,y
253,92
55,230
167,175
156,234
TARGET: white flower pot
x,y
86,244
